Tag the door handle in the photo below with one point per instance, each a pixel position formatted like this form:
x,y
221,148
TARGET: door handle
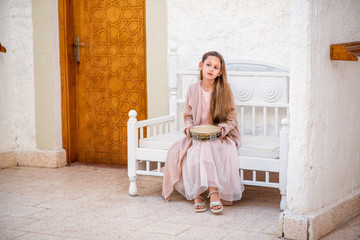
x,y
77,44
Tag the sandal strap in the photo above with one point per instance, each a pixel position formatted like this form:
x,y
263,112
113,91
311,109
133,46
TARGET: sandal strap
x,y
216,203
200,204
212,192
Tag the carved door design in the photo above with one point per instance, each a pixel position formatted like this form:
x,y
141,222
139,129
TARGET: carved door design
x,y
110,76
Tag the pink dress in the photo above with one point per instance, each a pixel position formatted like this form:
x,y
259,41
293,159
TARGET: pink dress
x,y
193,166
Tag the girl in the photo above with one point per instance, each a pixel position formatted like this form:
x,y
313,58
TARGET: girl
x,y
193,167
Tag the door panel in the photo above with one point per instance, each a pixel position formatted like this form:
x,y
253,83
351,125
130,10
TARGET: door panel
x,y
110,77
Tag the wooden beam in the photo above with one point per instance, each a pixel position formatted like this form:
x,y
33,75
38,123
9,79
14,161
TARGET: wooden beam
x,y
2,48
345,51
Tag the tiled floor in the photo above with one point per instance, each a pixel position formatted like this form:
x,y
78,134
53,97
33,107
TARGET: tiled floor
x,y
88,202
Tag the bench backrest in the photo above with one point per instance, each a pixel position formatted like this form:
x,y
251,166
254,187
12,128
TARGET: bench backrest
x,y
261,93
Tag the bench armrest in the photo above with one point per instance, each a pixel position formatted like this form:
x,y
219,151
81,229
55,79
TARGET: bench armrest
x,y
155,121
152,126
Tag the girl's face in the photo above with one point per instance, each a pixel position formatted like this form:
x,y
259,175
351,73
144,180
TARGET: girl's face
x,y
211,68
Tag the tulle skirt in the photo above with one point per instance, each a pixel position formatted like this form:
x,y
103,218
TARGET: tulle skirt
x,y
211,164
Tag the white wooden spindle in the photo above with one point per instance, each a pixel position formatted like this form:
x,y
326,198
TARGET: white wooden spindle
x,y
141,133
161,129
253,120
287,113
254,176
265,120
148,131
276,121
242,174
154,130
158,166
242,120
147,166
267,177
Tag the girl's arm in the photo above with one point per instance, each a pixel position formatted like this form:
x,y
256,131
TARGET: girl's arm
x,y
188,117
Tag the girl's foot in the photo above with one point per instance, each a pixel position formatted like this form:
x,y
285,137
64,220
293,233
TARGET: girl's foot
x,y
215,203
199,204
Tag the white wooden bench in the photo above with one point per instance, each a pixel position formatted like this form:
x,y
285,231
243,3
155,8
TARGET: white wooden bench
x,y
261,97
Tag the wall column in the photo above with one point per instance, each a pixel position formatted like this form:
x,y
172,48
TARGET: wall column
x,y
323,169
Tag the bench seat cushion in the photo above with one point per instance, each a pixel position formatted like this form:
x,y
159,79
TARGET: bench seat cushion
x,y
251,146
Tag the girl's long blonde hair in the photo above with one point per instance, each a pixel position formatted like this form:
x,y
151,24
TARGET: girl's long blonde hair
x,y
221,105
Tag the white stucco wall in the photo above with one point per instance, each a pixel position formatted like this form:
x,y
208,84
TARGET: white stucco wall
x,y
324,161
256,30
156,58
30,93
17,115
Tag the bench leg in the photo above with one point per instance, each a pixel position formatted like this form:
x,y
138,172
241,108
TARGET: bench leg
x,y
284,152
132,132
283,202
133,188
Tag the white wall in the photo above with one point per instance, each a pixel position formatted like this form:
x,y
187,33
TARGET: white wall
x,y
30,93
324,161
256,30
156,58
17,115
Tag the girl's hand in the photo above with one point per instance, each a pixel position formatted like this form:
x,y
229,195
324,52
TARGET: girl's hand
x,y
187,131
223,132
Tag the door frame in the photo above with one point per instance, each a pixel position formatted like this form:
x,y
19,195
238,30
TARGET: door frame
x,y
67,77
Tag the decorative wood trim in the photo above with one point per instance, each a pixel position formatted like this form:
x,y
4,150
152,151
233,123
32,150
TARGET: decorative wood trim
x,y
63,75
345,51
66,74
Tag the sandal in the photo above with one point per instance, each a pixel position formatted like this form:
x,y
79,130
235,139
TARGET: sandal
x,y
202,205
216,203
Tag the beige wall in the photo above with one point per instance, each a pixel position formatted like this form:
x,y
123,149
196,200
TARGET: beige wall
x,y
156,50
47,75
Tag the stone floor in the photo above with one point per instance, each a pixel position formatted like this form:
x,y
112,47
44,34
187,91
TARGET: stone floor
x,y
91,202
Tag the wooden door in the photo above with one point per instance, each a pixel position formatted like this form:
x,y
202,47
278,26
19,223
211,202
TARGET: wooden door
x,y
110,76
